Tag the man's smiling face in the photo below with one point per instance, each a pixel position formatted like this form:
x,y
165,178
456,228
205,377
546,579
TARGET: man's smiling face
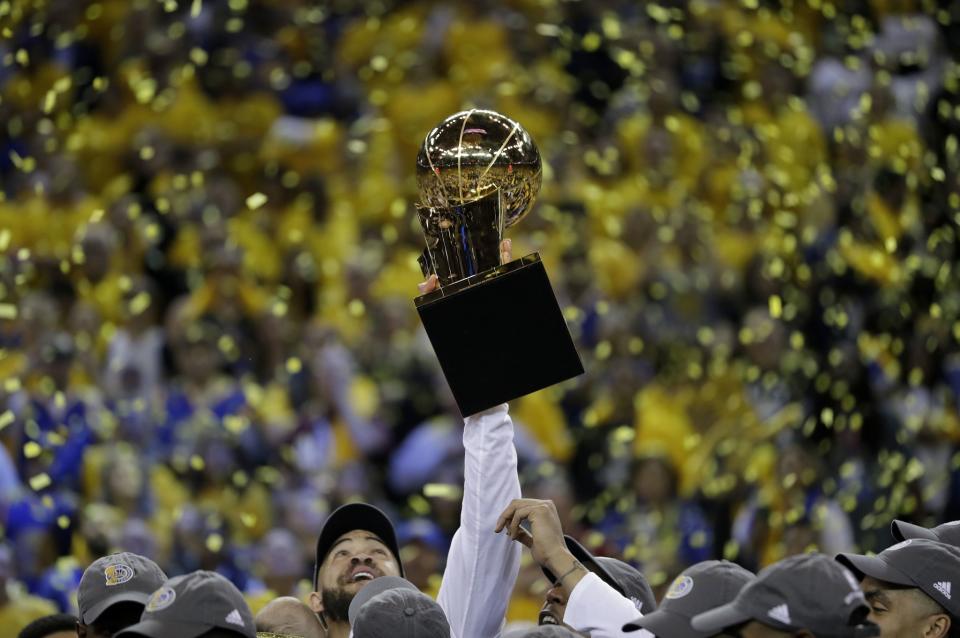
x,y
355,559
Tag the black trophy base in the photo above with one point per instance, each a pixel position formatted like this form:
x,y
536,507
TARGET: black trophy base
x,y
499,335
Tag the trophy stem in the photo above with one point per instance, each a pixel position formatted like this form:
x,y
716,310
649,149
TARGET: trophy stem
x,y
462,241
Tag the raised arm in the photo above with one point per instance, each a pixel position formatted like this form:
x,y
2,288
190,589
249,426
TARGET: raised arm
x,y
482,567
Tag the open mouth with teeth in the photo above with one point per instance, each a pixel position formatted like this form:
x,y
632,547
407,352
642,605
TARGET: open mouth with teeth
x,y
361,575
547,618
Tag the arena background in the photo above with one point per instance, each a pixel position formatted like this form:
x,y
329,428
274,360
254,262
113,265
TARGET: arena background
x,y
208,257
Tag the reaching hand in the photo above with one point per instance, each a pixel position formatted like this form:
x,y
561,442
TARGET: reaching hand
x,y
506,255
545,538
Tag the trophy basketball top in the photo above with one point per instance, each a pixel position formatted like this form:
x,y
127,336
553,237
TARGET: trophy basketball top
x,y
471,155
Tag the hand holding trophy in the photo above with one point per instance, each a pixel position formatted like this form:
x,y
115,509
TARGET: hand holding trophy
x,y
479,173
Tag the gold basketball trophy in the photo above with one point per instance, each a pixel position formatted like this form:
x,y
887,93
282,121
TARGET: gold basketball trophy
x,y
497,328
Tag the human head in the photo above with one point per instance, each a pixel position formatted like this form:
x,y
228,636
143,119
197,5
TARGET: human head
x,y
288,616
702,587
55,626
627,580
280,560
908,587
948,533
392,607
200,604
802,595
423,545
113,591
356,545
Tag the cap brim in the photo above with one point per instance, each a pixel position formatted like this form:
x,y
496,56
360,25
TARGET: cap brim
x,y
665,624
902,530
154,628
722,617
588,560
356,516
873,567
95,611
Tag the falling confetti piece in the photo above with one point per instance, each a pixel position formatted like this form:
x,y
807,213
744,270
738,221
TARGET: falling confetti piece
x,y
8,311
40,481
214,542
140,303
442,491
256,200
195,7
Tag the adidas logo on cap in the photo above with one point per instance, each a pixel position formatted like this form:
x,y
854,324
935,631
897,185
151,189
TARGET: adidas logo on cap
x,y
780,613
234,618
943,587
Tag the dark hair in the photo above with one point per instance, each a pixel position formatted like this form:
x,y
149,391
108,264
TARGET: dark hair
x,y
118,617
43,627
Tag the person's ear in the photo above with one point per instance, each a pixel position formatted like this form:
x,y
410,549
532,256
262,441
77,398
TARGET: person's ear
x,y
804,633
938,626
316,602
81,630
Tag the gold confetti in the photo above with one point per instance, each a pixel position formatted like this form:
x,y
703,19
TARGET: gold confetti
x,y
443,491
140,303
214,542
40,481
256,200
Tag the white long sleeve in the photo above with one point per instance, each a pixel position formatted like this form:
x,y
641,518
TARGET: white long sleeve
x,y
600,611
482,566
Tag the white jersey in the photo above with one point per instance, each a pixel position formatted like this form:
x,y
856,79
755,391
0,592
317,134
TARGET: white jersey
x,y
482,566
600,611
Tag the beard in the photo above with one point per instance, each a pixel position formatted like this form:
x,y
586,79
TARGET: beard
x,y
336,604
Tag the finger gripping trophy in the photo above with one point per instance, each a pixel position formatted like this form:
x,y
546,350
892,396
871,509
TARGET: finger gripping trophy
x,y
496,328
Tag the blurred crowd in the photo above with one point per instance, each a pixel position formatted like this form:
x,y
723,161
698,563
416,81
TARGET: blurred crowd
x,y
208,255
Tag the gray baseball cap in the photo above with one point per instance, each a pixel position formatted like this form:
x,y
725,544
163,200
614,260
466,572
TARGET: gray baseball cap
x,y
191,605
927,565
806,591
697,589
626,579
948,533
542,631
392,607
117,578
374,587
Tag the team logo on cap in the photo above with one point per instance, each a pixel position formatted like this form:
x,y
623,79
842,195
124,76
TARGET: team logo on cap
x,y
161,599
944,588
117,574
234,618
680,587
